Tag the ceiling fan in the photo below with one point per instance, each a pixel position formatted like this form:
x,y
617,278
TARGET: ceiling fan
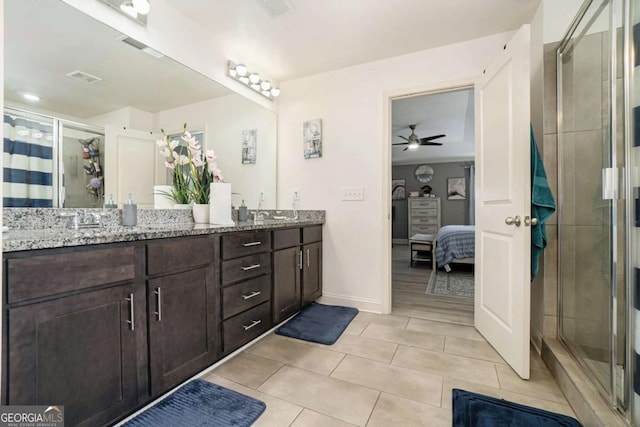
x,y
414,142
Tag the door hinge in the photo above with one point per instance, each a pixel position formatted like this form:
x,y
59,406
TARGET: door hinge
x,y
609,183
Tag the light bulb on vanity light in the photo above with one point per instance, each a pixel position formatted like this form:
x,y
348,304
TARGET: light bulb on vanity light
x,y
254,78
242,70
265,85
142,6
244,79
275,92
255,86
128,8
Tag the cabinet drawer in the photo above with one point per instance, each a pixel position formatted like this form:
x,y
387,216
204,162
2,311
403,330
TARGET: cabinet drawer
x,y
246,326
312,234
424,212
426,203
179,254
423,229
244,268
245,295
241,244
45,275
286,238
424,220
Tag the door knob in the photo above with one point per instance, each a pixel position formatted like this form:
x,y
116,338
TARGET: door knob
x,y
530,221
511,221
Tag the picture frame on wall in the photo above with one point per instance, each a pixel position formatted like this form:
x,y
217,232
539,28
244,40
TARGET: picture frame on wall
x,y
398,189
249,146
312,137
456,188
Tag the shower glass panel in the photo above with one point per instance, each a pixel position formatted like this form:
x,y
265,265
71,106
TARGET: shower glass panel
x,y
82,173
592,214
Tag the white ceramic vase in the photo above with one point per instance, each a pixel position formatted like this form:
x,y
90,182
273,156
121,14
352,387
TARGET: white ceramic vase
x,y
201,213
220,204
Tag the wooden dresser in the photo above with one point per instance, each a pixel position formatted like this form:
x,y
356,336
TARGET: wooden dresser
x,y
424,215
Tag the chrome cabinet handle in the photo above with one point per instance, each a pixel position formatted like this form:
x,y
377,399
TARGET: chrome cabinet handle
x,y
252,244
251,295
251,267
158,311
300,261
308,259
132,322
254,323
511,221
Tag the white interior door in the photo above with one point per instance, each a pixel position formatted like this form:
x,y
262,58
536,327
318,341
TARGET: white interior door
x,y
133,164
503,197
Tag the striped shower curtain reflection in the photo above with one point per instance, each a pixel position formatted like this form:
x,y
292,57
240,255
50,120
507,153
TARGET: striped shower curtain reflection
x,y
28,167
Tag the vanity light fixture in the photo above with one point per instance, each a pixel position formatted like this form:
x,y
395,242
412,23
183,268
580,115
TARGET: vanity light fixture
x,y
134,9
142,6
252,80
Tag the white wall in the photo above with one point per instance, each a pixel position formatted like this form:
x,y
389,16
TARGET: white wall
x,y
223,120
557,16
352,103
127,117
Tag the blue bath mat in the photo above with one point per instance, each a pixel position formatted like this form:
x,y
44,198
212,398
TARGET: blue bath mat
x,y
319,323
477,410
201,403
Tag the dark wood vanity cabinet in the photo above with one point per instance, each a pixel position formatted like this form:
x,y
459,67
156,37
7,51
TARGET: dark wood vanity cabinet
x,y
182,309
246,287
297,269
104,329
85,350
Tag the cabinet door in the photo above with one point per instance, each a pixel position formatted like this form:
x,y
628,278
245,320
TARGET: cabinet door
x,y
286,283
80,352
183,326
311,272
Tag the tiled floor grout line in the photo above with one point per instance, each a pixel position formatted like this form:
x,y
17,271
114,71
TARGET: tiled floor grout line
x,y
373,408
344,355
297,416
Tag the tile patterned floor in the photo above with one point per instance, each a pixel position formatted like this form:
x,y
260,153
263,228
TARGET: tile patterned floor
x,y
395,370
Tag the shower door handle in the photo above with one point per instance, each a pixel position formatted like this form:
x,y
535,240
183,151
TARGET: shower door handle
x,y
513,221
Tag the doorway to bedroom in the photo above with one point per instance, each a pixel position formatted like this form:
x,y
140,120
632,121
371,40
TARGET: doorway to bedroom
x,y
432,201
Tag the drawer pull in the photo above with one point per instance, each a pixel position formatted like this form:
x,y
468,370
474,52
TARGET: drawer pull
x,y
251,295
158,311
251,244
132,322
308,259
251,267
254,323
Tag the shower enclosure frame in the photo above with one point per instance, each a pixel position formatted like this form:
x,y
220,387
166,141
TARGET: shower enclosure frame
x,y
621,192
58,147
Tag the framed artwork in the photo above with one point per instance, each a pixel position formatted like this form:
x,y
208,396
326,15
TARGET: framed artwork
x,y
249,146
398,189
312,137
456,189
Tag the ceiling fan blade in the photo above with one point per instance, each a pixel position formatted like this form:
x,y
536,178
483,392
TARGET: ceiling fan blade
x,y
403,137
406,148
432,143
431,138
400,143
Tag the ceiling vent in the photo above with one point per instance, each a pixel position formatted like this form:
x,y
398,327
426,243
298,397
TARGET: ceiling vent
x,y
277,7
85,77
140,46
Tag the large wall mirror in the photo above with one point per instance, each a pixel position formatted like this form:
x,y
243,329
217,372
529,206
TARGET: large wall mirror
x,y
103,99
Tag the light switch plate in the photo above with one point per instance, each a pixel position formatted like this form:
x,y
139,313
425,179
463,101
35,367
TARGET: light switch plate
x,y
352,193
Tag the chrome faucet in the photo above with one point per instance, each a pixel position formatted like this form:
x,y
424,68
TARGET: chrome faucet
x,y
259,214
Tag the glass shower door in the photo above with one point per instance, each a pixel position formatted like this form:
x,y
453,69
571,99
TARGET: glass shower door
x,y
591,219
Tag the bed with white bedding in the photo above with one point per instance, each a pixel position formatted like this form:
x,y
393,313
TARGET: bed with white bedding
x,y
454,244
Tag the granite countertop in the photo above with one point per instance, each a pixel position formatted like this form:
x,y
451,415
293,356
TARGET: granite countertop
x,y
21,239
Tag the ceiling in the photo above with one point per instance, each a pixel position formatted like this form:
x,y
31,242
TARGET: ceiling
x,y
449,113
39,52
315,36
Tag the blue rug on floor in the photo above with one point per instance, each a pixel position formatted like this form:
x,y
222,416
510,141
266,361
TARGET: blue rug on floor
x,y
477,410
319,323
201,403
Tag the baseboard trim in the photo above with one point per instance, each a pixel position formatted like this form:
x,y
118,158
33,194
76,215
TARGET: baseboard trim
x,y
364,304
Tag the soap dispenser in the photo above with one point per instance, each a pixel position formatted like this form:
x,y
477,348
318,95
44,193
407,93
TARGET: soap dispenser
x,y
242,212
110,204
129,213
